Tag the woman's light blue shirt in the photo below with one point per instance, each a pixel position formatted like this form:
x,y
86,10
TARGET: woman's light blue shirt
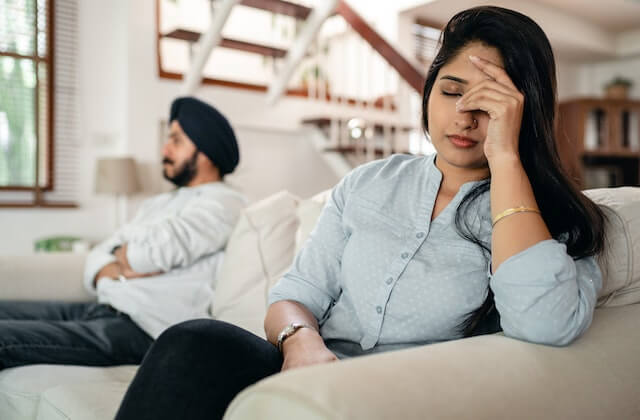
x,y
379,274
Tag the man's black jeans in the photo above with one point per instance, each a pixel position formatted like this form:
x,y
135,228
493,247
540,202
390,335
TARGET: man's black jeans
x,y
194,370
88,334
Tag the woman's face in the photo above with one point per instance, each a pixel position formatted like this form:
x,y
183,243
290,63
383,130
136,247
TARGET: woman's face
x,y
457,138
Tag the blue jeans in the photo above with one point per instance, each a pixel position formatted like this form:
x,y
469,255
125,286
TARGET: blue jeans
x,y
88,334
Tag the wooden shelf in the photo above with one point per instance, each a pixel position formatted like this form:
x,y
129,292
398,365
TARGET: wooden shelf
x,y
605,153
595,102
595,136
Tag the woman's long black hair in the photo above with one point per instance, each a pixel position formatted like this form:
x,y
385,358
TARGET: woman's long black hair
x,y
528,60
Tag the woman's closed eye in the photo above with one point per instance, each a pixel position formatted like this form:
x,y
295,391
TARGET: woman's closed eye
x,y
445,93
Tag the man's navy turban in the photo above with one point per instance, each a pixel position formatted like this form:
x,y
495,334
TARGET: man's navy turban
x,y
209,130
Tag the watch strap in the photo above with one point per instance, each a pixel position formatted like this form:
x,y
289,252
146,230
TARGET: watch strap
x,y
288,331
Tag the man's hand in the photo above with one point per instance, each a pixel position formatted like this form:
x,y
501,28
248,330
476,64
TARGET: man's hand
x,y
121,257
305,348
112,270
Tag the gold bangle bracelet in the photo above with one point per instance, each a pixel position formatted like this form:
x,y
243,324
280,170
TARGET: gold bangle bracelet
x,y
514,210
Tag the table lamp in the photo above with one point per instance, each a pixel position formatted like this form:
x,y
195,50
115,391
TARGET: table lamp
x,y
117,176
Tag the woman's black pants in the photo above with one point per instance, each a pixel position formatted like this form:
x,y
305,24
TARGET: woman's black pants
x,y
194,370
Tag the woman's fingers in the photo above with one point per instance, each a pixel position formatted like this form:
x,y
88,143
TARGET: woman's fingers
x,y
495,72
497,94
496,108
493,85
493,102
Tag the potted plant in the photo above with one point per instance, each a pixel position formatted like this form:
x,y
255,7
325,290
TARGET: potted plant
x,y
618,88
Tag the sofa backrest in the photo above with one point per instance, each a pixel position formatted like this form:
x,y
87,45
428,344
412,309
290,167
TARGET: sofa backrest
x,y
270,233
620,262
260,249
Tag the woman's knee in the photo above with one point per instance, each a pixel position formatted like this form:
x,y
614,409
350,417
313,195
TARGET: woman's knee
x,y
204,334
187,333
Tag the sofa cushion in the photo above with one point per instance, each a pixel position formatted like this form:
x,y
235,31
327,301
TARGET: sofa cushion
x,y
43,276
86,400
486,377
259,250
620,262
21,388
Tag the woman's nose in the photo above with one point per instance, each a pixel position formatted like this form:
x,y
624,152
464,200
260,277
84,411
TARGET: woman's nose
x,y
465,120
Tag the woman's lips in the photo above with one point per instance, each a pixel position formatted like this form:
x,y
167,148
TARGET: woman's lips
x,y
460,141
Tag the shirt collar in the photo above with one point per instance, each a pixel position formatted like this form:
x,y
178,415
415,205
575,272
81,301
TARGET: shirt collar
x,y
435,172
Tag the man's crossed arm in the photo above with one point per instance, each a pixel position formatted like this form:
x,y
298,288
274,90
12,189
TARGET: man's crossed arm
x,y
120,267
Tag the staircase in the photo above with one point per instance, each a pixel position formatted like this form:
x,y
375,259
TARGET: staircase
x,y
362,120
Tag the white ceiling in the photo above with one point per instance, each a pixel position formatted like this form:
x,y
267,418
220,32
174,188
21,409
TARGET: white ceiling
x,y
612,15
579,30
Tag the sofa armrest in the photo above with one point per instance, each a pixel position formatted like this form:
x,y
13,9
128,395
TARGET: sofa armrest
x,y
485,377
55,276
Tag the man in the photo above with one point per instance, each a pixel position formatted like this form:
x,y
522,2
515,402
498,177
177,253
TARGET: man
x,y
156,271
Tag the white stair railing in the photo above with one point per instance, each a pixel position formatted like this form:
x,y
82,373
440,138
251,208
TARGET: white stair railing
x,y
378,96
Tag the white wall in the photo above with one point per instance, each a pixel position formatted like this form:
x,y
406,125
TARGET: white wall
x,y
122,100
275,160
102,127
568,81
121,103
593,77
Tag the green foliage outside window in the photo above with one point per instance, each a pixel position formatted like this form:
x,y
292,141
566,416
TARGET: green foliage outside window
x,y
22,95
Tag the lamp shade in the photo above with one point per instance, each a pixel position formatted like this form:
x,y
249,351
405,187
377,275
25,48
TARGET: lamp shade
x,y
116,175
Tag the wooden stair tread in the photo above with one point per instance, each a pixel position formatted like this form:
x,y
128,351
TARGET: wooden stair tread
x,y
280,7
193,36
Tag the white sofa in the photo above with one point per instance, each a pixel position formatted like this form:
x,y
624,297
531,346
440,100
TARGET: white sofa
x,y
487,377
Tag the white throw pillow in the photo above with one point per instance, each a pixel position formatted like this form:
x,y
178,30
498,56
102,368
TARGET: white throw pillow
x,y
259,250
620,263
308,213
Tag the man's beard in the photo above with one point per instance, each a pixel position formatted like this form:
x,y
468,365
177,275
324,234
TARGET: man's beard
x,y
185,173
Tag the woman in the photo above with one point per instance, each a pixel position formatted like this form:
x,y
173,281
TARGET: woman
x,y
415,250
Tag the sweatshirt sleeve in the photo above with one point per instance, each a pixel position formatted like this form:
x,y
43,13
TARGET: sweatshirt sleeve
x,y
201,228
99,256
544,296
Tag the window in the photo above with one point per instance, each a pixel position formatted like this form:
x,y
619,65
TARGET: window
x,y
25,64
28,123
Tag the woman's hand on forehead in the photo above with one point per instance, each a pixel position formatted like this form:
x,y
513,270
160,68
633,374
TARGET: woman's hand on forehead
x,y
498,97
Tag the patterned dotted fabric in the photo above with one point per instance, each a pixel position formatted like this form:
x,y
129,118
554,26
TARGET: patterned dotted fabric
x,y
379,274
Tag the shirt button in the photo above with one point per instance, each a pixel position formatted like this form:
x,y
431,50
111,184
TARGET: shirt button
x,y
389,280
379,309
405,255
420,235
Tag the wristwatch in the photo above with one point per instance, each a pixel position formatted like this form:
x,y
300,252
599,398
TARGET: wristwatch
x,y
288,331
